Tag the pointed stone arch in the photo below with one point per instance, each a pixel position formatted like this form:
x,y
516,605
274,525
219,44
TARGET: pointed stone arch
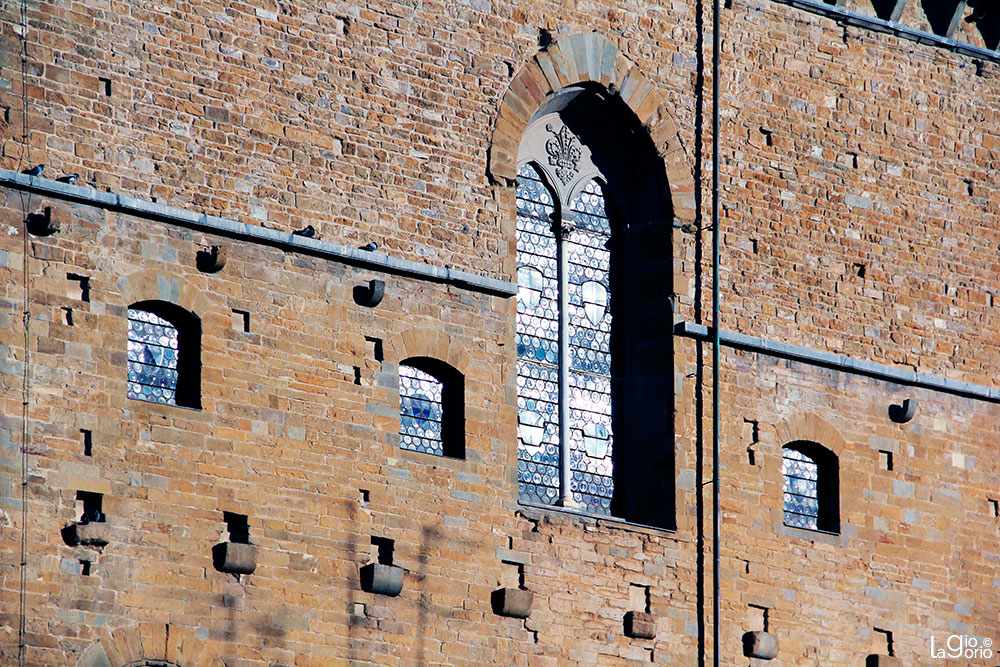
x,y
581,58
145,644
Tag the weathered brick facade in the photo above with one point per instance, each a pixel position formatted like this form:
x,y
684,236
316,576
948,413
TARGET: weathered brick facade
x,y
860,218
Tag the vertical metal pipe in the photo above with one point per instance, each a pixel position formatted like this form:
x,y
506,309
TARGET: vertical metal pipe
x,y
716,514
22,628
562,224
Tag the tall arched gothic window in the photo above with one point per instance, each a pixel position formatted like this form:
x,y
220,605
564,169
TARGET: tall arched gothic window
x,y
582,273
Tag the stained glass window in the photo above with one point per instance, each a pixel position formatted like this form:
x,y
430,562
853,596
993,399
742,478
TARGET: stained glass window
x,y
590,351
537,341
152,357
801,489
589,301
420,411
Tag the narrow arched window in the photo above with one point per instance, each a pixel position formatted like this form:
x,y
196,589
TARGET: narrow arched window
x,y
590,320
431,408
810,487
163,355
537,341
584,338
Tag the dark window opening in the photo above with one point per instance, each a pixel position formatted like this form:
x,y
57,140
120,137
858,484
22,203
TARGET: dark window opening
x,y
238,527
885,458
241,320
887,636
90,506
888,10
986,16
383,548
943,15
376,347
81,289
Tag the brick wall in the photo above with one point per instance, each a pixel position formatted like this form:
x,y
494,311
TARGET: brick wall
x,y
860,218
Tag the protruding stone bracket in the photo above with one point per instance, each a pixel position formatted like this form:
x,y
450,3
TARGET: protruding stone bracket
x,y
903,412
761,645
234,557
371,295
875,660
512,602
42,224
212,260
89,534
382,579
640,625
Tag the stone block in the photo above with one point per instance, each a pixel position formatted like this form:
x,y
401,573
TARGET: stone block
x,y
640,625
512,602
875,660
235,557
91,534
382,579
94,657
760,645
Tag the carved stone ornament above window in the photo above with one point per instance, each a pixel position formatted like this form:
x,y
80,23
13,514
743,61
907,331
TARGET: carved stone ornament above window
x,y
563,152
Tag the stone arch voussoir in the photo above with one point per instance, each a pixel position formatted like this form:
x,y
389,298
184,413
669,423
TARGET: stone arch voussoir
x,y
813,428
425,341
145,644
580,58
151,285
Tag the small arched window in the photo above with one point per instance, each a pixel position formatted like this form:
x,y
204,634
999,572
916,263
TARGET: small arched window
x,y
431,408
164,354
810,487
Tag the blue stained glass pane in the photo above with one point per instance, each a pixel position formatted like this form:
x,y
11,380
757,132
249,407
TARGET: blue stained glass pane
x,y
537,333
151,353
589,259
801,497
420,411
537,338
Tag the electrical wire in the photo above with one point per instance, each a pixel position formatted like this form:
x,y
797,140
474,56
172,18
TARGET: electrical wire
x,y
25,158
